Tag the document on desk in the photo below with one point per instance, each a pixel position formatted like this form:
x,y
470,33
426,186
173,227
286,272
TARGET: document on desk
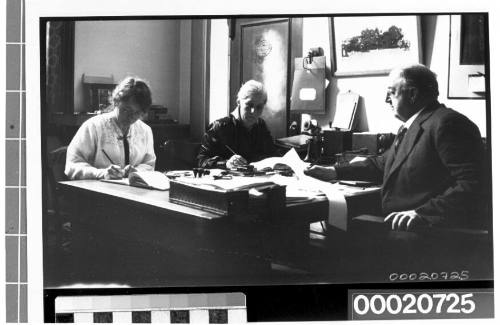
x,y
147,179
235,183
337,212
268,163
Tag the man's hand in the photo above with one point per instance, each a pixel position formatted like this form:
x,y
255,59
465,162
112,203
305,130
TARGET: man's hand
x,y
235,161
113,172
404,220
322,173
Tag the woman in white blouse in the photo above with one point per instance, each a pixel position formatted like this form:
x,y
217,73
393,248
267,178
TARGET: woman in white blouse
x,y
113,144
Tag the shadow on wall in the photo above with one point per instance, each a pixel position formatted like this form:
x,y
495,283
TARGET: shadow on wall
x,y
331,93
360,120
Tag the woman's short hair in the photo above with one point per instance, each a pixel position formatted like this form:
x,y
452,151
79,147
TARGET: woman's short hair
x,y
422,78
135,89
252,88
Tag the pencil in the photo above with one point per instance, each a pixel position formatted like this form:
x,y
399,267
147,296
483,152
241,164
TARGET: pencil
x,y
229,148
110,160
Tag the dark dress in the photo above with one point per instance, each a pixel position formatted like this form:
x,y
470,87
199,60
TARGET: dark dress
x,y
253,145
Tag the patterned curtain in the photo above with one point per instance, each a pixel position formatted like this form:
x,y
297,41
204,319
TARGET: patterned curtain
x,y
60,66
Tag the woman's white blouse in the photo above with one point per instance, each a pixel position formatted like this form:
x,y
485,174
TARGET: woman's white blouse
x,y
85,158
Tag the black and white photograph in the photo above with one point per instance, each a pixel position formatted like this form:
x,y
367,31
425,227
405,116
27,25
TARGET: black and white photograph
x,y
201,155
365,44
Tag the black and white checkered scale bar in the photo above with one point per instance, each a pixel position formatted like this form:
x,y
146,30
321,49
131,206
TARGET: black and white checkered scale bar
x,y
212,308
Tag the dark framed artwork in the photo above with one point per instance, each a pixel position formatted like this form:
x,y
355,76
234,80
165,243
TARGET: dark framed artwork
x,y
265,58
466,71
373,45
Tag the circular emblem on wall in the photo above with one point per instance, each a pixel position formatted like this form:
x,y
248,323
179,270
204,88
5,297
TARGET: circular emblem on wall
x,y
263,47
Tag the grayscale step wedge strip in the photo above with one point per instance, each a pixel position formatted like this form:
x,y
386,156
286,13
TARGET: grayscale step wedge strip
x,y
212,308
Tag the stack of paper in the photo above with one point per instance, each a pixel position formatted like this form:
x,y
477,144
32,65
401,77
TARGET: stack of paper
x,y
234,184
337,214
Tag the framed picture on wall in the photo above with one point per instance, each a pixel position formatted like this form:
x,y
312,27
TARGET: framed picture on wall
x,y
372,45
466,74
99,91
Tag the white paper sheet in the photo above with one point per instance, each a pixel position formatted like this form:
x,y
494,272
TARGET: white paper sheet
x,y
337,212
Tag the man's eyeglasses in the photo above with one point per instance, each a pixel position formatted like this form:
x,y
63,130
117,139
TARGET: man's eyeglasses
x,y
390,91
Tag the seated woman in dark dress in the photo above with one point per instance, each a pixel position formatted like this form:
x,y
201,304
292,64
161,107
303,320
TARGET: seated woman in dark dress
x,y
242,137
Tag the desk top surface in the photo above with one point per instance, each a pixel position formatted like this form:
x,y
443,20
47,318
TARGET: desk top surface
x,y
154,198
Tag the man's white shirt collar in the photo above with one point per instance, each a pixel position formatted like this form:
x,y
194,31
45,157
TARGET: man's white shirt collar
x,y
409,122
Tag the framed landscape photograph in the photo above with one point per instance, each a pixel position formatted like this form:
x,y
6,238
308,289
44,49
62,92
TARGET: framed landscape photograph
x,y
373,45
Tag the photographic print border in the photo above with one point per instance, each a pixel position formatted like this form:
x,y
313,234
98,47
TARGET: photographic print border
x,y
16,234
16,302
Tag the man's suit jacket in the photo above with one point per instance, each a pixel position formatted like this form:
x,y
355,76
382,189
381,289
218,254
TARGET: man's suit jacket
x,y
436,171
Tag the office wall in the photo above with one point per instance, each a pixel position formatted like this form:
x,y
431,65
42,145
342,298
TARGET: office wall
x,y
146,48
168,54
219,69
376,115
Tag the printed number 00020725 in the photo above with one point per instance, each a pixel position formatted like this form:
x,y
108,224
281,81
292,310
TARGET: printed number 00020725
x,y
423,276
410,303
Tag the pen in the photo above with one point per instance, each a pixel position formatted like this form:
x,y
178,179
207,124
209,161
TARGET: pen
x,y
229,148
110,160
354,184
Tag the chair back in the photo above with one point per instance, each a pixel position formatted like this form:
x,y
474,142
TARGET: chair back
x,y
178,155
56,162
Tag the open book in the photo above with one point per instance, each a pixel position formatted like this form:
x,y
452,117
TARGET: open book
x,y
147,179
290,160
270,163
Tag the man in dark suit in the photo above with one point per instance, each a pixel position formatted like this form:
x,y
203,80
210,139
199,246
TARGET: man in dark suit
x,y
432,172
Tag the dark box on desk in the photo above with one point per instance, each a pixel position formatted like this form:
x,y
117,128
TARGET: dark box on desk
x,y
237,204
216,201
335,141
375,143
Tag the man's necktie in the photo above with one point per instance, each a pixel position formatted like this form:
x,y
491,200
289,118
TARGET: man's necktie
x,y
399,137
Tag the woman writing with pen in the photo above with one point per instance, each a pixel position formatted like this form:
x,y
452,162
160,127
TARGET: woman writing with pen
x,y
113,144
242,137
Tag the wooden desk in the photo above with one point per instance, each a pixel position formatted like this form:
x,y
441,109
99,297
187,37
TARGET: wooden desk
x,y
134,238
131,235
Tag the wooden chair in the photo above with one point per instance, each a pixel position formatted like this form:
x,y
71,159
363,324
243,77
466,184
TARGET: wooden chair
x,y
426,248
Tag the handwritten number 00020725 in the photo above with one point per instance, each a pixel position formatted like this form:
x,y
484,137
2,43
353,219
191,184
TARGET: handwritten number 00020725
x,y
434,276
